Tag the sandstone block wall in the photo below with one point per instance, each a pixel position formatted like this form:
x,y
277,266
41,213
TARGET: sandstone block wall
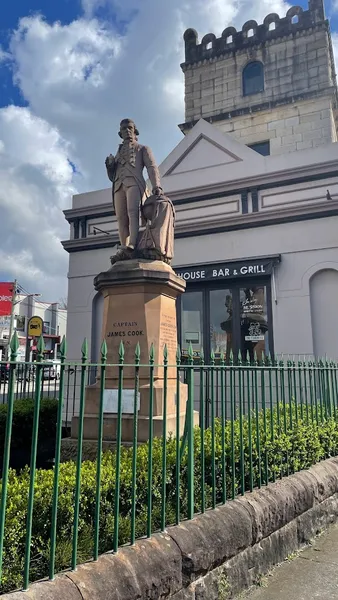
x,y
216,555
292,67
292,127
295,110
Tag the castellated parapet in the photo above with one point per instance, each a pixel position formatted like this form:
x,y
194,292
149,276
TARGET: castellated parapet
x,y
294,107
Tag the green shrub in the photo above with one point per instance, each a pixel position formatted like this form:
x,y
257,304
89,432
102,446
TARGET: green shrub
x,y
301,445
22,427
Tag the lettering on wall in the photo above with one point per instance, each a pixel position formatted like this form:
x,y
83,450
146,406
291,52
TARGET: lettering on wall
x,y
227,271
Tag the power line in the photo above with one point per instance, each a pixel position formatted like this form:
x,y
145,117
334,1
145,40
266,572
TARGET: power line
x,y
44,304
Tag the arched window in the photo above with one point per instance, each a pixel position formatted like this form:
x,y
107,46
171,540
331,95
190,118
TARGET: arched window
x,y
253,78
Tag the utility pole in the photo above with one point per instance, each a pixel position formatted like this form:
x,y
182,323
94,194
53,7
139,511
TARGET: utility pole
x,y
11,323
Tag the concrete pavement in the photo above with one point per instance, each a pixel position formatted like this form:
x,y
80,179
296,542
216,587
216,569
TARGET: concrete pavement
x,y
312,574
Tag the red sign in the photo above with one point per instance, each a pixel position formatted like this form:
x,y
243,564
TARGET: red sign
x,y
6,296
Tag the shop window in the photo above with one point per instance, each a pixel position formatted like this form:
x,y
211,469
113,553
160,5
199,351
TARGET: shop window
x,y
20,322
254,322
262,148
46,327
253,78
192,322
221,322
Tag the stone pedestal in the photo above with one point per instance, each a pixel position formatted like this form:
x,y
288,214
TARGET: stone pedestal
x,y
139,306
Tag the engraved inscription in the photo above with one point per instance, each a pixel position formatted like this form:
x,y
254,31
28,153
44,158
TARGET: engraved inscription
x,y
125,329
168,332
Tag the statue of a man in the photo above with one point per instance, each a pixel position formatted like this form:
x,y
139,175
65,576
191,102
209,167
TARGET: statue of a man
x,y
129,189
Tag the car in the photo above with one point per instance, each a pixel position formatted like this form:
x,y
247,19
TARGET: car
x,y
50,371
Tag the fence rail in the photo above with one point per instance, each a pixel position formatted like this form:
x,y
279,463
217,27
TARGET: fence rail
x,y
253,420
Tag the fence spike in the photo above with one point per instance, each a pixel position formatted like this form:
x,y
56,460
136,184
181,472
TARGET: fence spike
x,y
84,349
138,352
104,351
41,346
202,356
152,353
165,353
14,345
239,357
190,352
121,352
222,357
178,354
63,347
212,356
231,357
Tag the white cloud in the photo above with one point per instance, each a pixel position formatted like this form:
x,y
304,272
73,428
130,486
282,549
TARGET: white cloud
x,y
35,185
335,47
80,80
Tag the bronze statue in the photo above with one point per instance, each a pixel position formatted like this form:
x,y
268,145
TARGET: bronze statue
x,y
129,189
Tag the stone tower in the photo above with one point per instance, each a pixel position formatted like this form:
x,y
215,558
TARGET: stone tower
x,y
272,86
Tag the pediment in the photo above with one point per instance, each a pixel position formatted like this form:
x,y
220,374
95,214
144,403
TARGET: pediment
x,y
205,147
202,154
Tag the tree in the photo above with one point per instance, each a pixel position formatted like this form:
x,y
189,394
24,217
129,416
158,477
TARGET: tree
x,y
63,303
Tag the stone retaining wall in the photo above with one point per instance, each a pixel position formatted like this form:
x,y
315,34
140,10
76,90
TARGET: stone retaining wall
x,y
214,556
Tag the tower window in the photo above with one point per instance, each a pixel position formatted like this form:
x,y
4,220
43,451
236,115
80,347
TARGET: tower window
x,y
229,39
272,26
253,78
294,19
209,46
250,33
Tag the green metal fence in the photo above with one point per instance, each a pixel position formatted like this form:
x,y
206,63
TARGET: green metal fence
x,y
253,419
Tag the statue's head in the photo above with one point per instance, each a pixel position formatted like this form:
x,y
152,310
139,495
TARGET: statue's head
x,y
128,130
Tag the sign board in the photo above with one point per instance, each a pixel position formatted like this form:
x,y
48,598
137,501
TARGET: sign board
x,y
6,297
35,327
228,270
254,338
110,401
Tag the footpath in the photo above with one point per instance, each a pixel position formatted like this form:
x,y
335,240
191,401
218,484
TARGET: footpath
x,y
312,574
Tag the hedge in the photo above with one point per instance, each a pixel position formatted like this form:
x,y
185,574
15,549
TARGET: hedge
x,y
301,446
23,411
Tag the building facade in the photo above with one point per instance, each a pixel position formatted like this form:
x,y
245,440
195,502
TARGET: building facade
x,y
54,327
256,230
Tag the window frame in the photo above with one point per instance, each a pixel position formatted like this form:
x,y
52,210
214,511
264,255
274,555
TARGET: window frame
x,y
234,286
262,79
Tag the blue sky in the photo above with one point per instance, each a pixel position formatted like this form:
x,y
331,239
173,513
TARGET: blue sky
x,y
69,71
